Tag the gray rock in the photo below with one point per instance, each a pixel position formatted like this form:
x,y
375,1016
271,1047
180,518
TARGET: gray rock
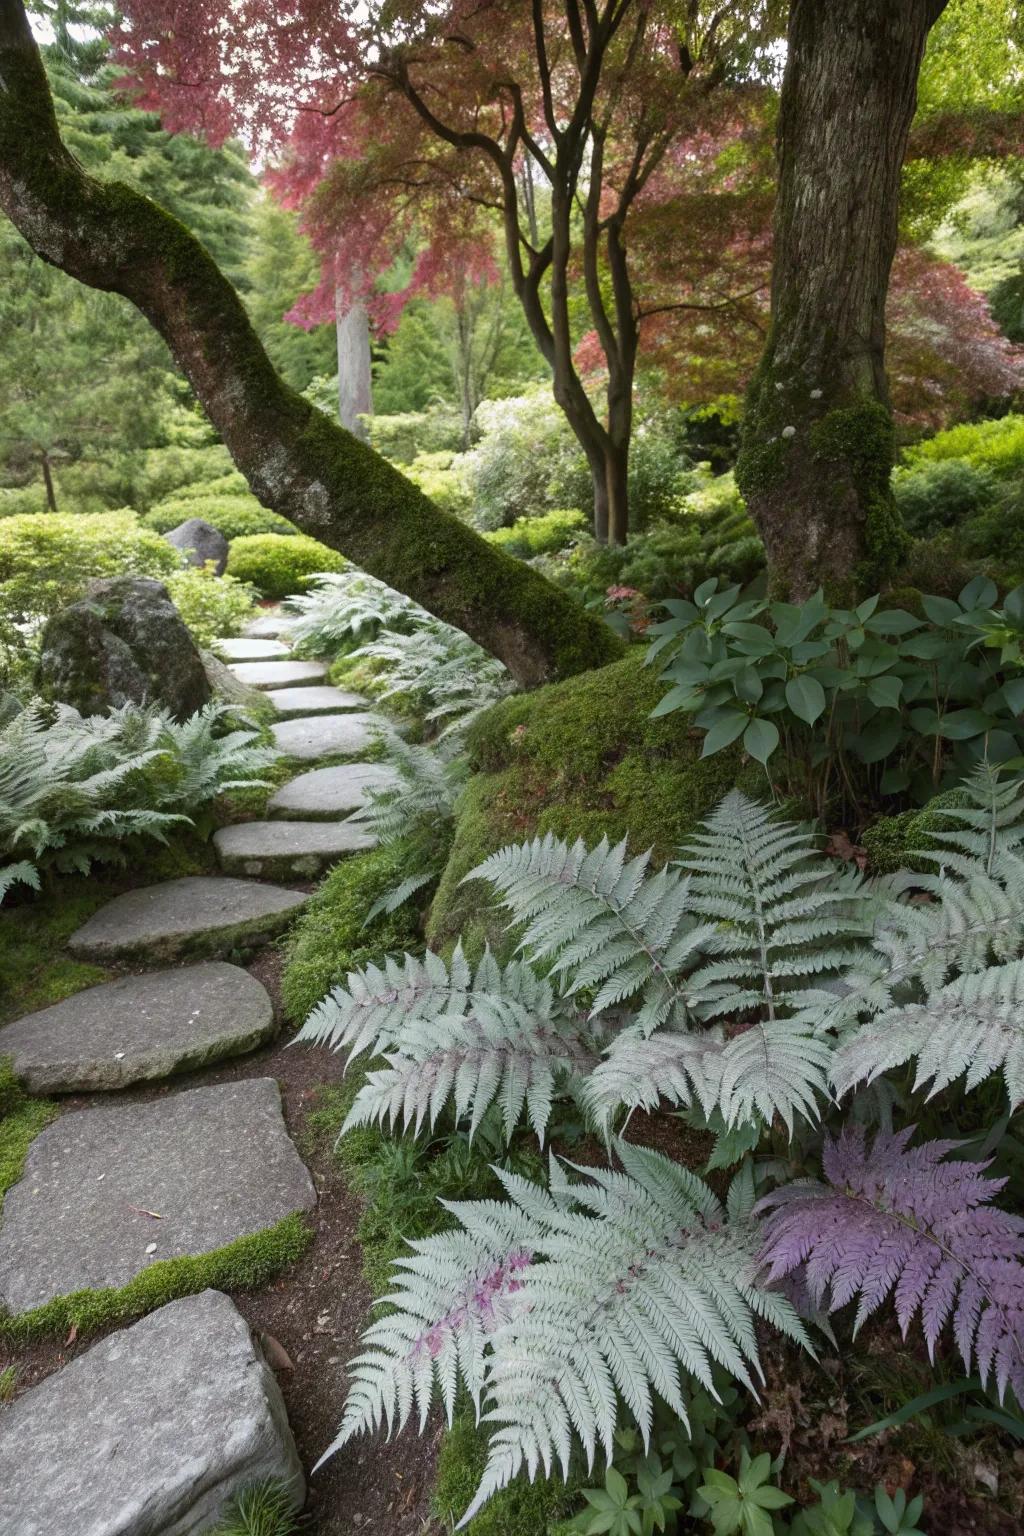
x,y
123,642
226,686
139,1028
149,1433
324,735
246,649
280,674
200,914
313,701
201,543
270,625
215,1164
325,793
279,849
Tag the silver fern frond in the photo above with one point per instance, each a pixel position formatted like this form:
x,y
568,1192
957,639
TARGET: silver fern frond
x,y
553,1306
601,922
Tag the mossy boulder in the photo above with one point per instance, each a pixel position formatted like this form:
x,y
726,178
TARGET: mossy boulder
x,y
124,642
581,758
897,842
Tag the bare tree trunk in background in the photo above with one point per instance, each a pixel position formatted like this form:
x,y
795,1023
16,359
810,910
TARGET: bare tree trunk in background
x,y
355,377
817,446
51,498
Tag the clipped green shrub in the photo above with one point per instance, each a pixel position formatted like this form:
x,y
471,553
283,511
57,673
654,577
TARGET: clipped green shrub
x,y
279,565
48,559
160,471
402,436
232,484
442,477
16,500
543,535
995,535
997,446
940,493
212,606
332,936
234,515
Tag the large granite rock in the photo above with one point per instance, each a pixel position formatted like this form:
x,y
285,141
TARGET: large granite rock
x,y
149,1433
201,543
107,1192
200,914
139,1028
287,849
313,736
123,642
323,794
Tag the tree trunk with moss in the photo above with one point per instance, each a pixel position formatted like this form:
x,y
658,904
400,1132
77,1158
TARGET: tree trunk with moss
x,y
817,447
295,458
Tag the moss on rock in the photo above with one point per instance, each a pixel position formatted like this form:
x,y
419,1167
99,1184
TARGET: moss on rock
x,y
896,842
582,758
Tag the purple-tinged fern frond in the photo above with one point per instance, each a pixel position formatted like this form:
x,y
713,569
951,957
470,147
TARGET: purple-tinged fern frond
x,y
899,1220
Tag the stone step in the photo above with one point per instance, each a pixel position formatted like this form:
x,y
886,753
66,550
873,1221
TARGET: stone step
x,y
249,648
281,850
280,674
323,794
213,1164
140,1028
150,1432
200,914
314,700
270,625
313,736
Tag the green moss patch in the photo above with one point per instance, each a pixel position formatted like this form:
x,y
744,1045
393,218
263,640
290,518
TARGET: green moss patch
x,y
521,1509
33,970
895,842
584,759
21,1120
330,937
245,1264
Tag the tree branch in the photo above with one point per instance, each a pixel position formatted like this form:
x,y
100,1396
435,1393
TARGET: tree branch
x,y
296,459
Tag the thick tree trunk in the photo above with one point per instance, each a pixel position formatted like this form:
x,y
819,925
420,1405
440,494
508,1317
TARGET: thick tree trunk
x,y
355,377
296,460
616,461
818,439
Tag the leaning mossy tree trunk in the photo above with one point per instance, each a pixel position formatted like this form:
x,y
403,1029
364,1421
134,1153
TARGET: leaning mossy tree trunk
x,y
817,447
295,458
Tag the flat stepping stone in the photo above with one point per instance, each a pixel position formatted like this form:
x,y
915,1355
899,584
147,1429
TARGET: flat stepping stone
x,y
314,700
140,1028
269,626
247,648
199,914
324,793
314,736
215,1164
280,849
280,674
150,1432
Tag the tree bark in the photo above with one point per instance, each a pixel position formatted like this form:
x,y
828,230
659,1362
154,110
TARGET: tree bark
x,y
51,495
355,377
817,446
297,461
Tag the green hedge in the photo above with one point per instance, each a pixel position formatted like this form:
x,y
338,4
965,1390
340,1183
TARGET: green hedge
x,y
278,565
234,515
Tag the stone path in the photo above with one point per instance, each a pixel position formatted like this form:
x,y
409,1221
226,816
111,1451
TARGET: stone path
x,y
325,793
107,1192
198,914
140,1027
279,674
149,1432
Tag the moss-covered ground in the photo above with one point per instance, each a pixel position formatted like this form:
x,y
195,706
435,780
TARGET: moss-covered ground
x,y
580,759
